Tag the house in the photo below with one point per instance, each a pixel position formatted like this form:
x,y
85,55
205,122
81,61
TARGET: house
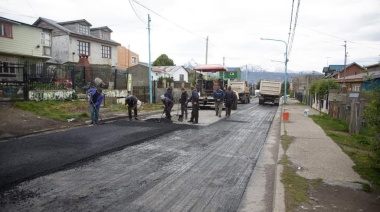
x,y
22,43
360,82
363,80
232,73
126,58
178,73
76,42
350,70
328,71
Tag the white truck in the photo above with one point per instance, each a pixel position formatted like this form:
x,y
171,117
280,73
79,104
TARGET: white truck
x,y
242,89
270,92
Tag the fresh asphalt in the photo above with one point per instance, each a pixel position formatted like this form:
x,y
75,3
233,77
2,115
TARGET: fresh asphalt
x,y
74,147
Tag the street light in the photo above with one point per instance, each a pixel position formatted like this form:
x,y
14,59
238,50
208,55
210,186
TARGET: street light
x,y
286,62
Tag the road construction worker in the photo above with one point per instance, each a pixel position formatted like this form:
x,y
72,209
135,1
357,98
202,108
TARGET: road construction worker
x,y
168,106
131,101
219,99
169,93
194,98
230,99
183,101
95,99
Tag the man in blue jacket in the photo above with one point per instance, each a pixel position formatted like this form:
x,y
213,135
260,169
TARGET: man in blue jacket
x,y
219,99
95,100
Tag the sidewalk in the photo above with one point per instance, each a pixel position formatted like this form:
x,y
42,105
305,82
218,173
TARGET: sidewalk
x,y
313,153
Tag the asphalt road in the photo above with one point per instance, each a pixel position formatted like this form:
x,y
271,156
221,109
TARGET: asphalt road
x,y
139,166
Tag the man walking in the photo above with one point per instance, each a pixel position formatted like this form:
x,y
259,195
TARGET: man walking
x,y
168,106
194,98
131,101
229,98
218,100
95,99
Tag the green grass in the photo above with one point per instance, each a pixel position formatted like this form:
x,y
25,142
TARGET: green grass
x,y
296,187
358,147
63,110
58,110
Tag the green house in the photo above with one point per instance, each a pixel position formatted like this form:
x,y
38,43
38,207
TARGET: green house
x,y
232,73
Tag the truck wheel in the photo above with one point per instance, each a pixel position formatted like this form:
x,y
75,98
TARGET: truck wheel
x,y
249,99
260,101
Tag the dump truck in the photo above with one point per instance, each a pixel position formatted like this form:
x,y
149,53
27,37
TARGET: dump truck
x,y
242,89
270,92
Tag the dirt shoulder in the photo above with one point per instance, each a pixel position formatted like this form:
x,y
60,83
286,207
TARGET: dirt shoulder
x,y
16,122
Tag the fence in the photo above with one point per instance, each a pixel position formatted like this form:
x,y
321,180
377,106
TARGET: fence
x,y
347,107
16,80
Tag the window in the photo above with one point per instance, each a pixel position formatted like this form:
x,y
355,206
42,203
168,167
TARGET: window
x,y
356,88
106,51
46,42
84,48
105,35
5,30
134,60
181,77
83,29
8,69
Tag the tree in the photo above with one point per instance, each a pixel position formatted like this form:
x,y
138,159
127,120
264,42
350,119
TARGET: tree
x,y
372,119
163,60
321,87
283,88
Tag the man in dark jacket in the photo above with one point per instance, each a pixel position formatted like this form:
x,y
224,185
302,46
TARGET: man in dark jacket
x,y
229,99
169,93
131,101
95,99
183,101
168,106
218,100
194,98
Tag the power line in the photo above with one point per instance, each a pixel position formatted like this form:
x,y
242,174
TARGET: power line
x,y
291,20
339,38
294,28
137,14
169,20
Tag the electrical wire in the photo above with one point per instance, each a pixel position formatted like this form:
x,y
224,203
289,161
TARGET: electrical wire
x,y
137,14
294,29
168,20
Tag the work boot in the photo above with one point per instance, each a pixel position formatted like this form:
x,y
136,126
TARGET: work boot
x,y
136,118
191,120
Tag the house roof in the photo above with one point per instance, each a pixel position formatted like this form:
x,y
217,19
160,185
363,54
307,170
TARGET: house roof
x,y
75,21
325,69
335,67
349,65
211,68
233,68
372,66
167,69
103,28
360,77
59,26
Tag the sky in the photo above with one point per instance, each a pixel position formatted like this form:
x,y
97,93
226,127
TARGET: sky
x,y
227,32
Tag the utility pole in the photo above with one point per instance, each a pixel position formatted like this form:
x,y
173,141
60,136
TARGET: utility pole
x,y
345,62
246,73
206,49
128,69
150,64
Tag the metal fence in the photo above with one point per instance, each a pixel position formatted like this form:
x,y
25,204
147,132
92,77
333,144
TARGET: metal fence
x,y
16,80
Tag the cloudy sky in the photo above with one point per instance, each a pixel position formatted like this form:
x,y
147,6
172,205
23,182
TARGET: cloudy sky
x,y
179,29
